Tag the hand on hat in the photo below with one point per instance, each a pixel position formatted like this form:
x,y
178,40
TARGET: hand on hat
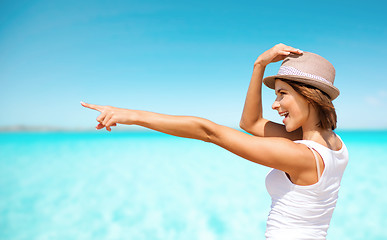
x,y
277,53
110,116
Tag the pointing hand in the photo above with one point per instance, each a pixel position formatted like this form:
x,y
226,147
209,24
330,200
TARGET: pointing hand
x,y
110,116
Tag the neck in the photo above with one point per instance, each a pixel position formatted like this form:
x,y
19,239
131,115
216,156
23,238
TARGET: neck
x,y
310,130
316,133
321,136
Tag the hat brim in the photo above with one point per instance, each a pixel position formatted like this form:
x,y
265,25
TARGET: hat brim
x,y
331,90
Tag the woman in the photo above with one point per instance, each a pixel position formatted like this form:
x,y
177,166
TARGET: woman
x,y
307,157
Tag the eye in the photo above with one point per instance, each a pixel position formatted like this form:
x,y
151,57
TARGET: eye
x,y
281,92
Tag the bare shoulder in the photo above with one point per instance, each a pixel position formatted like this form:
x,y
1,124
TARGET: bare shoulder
x,y
336,143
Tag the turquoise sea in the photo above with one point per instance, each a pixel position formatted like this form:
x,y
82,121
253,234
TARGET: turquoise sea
x,y
147,185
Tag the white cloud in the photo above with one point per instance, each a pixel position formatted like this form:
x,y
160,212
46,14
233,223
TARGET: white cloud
x,y
373,101
377,99
383,93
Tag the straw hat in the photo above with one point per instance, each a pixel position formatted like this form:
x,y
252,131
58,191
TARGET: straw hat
x,y
308,68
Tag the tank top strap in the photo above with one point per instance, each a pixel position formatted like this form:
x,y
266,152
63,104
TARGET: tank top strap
x,y
312,147
317,161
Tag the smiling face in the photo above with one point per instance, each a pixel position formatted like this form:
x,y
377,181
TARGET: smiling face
x,y
292,105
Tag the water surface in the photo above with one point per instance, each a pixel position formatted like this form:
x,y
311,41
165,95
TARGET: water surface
x,y
126,185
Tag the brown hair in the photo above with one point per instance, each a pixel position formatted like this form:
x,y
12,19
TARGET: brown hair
x,y
319,100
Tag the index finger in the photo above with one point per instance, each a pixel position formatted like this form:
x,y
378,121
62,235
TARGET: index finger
x,y
292,49
92,106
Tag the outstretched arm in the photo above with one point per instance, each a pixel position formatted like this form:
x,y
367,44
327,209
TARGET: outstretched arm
x,y
181,126
252,120
277,153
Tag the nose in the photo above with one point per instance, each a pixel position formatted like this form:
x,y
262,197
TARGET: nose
x,y
275,105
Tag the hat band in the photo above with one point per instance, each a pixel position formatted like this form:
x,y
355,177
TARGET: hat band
x,y
285,70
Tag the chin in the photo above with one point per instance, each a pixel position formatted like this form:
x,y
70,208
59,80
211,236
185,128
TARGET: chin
x,y
290,128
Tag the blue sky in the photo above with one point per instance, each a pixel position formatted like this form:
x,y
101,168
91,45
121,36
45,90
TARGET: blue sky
x,y
180,57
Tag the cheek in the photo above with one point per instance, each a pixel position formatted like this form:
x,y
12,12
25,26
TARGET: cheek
x,y
304,108
298,110
301,111
286,103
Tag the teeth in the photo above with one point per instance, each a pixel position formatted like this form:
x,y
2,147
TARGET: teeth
x,y
284,114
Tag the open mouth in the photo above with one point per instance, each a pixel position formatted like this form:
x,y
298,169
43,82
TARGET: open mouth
x,y
284,114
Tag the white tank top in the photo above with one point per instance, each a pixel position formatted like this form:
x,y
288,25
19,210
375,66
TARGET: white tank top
x,y
304,212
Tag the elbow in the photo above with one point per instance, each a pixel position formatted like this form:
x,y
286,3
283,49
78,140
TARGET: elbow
x,y
209,130
201,129
243,125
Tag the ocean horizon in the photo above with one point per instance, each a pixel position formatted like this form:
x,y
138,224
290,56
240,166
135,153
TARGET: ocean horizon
x,y
146,185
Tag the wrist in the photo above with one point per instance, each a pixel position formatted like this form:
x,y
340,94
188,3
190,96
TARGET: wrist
x,y
132,117
259,65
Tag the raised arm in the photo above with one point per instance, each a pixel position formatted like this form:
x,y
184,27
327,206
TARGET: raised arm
x,y
252,120
277,153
